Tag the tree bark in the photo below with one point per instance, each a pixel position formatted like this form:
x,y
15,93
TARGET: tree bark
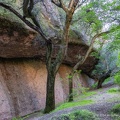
x,y
70,99
50,96
52,69
102,79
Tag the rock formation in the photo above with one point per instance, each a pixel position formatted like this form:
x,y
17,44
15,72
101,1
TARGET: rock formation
x,y
22,64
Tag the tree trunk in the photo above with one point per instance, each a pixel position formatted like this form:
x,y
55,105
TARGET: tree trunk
x,y
52,68
100,84
70,99
102,79
50,96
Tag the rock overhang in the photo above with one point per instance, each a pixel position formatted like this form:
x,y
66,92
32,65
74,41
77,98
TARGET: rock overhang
x,y
19,41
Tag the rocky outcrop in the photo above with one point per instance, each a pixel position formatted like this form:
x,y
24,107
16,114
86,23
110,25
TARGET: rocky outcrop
x,y
18,42
23,86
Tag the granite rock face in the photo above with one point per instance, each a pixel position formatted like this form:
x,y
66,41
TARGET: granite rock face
x,y
23,86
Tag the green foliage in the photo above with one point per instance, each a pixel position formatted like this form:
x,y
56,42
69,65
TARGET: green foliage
x,y
77,115
117,78
95,54
17,118
69,76
107,80
117,7
87,16
117,75
94,86
118,62
113,90
79,90
115,37
83,115
116,109
73,104
83,96
115,112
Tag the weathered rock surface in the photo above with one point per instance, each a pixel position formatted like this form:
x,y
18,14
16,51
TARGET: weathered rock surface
x,y
18,42
23,86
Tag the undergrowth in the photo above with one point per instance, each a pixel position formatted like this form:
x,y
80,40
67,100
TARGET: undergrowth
x,y
115,112
114,90
77,115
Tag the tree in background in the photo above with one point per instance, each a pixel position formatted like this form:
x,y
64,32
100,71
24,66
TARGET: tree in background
x,y
90,19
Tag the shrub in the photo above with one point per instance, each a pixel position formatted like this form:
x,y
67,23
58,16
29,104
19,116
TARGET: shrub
x,y
83,115
116,109
113,90
115,112
117,78
77,115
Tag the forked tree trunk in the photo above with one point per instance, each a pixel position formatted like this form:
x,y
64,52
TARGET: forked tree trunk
x,y
52,68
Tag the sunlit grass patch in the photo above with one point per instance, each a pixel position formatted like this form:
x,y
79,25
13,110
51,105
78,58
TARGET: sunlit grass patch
x,y
73,104
85,95
113,90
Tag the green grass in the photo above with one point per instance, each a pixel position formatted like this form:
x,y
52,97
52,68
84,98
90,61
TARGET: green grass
x,y
73,104
113,90
107,80
77,115
85,95
17,118
116,109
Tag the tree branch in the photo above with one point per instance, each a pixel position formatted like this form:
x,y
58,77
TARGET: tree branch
x,y
82,2
71,4
36,28
83,59
60,4
92,42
